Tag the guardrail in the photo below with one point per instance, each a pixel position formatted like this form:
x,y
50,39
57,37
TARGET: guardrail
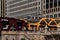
x,y
46,31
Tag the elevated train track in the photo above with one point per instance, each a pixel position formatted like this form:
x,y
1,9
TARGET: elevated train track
x,y
43,26
52,23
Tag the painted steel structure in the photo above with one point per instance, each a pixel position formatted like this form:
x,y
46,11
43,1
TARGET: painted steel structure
x,y
7,24
44,22
29,30
14,24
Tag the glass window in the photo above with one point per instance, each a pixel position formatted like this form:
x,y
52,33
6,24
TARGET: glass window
x,y
55,0
52,10
59,15
58,9
47,16
19,24
47,6
55,15
47,1
55,4
51,16
59,2
51,5
51,0
39,3
43,12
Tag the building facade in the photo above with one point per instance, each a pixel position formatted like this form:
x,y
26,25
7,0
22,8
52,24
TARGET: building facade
x,y
41,8
3,8
51,8
23,8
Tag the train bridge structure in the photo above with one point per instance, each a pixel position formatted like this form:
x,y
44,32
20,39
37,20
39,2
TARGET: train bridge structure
x,y
42,29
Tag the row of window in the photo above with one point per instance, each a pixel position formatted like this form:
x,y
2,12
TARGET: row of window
x,y
19,8
51,4
53,16
51,0
21,3
51,10
24,11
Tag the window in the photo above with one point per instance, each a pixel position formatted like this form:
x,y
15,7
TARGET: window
x,y
51,16
47,1
43,12
59,2
55,4
52,10
51,5
19,24
39,3
58,9
47,6
55,15
59,15
48,11
47,16
51,0
55,0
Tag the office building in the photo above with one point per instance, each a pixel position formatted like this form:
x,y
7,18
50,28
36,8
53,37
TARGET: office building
x,y
23,8
51,8
3,7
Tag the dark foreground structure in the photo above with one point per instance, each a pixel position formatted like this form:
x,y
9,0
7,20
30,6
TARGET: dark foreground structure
x,y
44,29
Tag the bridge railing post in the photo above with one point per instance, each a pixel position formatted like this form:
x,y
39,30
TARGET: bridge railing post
x,y
46,29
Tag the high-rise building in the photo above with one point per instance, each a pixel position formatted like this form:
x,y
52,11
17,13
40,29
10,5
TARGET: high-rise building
x,y
51,8
42,8
3,8
23,8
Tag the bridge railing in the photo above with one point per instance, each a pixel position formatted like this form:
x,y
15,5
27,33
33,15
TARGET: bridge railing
x,y
46,31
